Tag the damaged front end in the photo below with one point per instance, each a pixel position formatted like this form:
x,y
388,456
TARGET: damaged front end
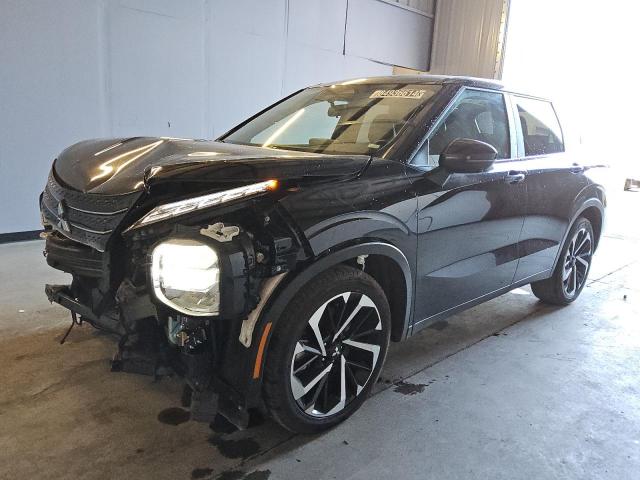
x,y
184,301
183,296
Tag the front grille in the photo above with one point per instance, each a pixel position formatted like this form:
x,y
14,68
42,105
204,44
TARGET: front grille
x,y
73,257
84,217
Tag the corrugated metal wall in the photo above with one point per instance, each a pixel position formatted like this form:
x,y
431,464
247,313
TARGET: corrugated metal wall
x,y
469,36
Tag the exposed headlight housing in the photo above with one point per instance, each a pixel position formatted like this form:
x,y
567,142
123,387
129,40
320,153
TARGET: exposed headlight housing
x,y
186,276
174,209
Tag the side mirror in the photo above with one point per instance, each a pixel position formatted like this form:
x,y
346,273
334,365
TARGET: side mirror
x,y
465,155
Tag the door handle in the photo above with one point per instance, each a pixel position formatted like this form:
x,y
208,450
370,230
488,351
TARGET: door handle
x,y
514,177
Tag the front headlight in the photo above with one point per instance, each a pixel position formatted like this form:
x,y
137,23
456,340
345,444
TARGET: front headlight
x,y
186,276
182,207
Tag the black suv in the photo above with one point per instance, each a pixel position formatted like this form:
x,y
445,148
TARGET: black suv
x,y
270,268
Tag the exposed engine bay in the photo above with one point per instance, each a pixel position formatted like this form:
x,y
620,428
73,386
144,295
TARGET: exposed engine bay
x,y
167,291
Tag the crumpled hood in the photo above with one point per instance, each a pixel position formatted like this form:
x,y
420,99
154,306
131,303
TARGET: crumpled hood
x,y
117,166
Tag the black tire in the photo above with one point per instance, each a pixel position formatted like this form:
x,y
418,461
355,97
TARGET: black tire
x,y
556,289
327,294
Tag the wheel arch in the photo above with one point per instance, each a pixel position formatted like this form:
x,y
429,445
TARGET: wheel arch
x,y
380,256
594,215
397,288
593,210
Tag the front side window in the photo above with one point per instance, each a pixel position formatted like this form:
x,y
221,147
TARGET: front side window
x,y
349,118
541,131
478,115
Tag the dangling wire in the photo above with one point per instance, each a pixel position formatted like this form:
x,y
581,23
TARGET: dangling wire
x,y
74,322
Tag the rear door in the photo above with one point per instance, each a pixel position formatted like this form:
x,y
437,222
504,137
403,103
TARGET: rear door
x,y
468,224
554,181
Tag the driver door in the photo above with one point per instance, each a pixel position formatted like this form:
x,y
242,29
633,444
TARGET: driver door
x,y
468,224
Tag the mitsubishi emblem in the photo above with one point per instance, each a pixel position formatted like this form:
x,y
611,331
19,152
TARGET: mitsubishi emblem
x,y
63,222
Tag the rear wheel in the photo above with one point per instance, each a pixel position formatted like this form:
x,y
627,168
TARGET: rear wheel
x,y
570,275
327,350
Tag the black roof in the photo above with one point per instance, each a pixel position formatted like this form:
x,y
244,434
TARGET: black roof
x,y
428,79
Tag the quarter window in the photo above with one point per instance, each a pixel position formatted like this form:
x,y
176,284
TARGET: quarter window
x,y
478,115
541,131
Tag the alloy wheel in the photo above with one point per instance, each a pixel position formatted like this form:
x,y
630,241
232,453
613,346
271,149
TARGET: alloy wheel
x,y
576,262
337,354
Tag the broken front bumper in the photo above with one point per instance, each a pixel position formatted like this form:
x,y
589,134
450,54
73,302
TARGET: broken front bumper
x,y
62,295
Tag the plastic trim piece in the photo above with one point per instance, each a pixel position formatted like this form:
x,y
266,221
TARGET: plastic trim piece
x,y
286,291
246,330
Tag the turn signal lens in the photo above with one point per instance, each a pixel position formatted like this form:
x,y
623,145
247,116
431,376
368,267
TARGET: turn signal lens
x,y
182,207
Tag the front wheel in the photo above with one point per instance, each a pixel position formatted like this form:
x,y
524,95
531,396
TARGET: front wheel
x,y
570,275
327,350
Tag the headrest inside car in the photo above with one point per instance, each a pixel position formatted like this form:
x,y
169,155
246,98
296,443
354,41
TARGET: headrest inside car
x,y
382,129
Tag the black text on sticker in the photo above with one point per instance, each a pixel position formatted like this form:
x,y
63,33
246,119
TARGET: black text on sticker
x,y
398,94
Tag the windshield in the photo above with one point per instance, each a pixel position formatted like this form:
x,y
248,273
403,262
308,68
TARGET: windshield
x,y
344,118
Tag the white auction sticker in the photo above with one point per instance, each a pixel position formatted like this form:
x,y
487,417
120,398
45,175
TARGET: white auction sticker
x,y
397,94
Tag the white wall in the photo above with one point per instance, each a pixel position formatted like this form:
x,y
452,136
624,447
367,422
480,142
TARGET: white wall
x,y
77,69
51,93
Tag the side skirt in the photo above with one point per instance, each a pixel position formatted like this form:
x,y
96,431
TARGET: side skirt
x,y
424,323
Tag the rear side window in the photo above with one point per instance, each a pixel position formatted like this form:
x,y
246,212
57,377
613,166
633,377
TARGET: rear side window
x,y
541,131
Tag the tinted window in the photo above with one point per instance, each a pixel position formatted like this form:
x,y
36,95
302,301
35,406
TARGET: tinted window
x,y
541,131
477,115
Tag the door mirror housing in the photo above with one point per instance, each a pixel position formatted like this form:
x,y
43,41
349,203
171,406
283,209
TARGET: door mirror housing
x,y
465,155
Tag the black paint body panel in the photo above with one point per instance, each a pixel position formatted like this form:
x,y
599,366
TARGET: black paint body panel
x,y
120,166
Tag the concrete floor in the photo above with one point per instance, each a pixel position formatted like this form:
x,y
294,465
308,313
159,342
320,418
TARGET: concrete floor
x,y
510,389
